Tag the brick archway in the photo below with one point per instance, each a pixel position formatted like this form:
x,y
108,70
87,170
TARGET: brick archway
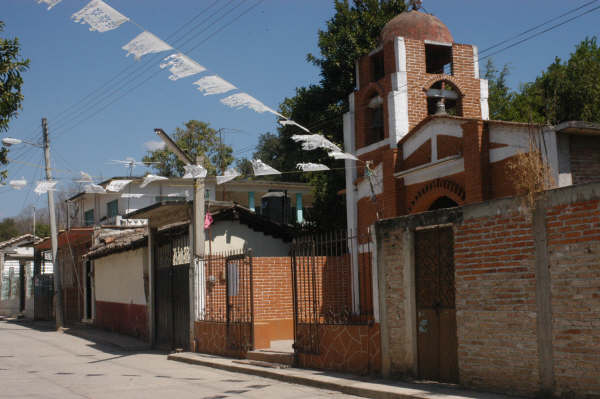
x,y
432,191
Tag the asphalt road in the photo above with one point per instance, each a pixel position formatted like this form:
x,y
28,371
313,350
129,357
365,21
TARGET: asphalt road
x,y
39,363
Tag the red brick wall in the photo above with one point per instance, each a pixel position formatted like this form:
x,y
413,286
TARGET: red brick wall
x,y
585,159
498,250
272,279
574,248
495,303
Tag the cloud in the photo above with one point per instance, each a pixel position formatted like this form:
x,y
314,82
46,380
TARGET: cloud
x,y
154,145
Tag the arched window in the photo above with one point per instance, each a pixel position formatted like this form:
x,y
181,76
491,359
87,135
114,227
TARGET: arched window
x,y
375,123
442,203
444,98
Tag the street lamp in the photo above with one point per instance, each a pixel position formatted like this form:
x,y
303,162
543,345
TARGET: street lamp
x,y
8,141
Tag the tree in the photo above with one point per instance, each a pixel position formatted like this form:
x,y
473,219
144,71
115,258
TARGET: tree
x,y
8,229
197,138
352,32
565,91
11,67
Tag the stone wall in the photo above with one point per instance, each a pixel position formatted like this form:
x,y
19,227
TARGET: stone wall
x,y
526,286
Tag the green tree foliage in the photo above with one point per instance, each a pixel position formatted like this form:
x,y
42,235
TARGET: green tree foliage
x,y
11,68
8,229
196,138
565,91
352,32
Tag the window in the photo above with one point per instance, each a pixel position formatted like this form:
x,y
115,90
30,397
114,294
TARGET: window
x,y
112,208
88,217
375,123
438,59
444,99
377,66
233,279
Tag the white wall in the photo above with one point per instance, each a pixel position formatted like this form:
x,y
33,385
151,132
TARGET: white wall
x,y
232,235
120,277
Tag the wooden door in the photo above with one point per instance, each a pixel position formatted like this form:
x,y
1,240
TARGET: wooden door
x,y
436,312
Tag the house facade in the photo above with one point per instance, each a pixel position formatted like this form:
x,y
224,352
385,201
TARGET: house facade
x,y
110,207
16,276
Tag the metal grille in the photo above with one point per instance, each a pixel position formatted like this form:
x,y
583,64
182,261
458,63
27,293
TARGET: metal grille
x,y
172,257
327,289
229,297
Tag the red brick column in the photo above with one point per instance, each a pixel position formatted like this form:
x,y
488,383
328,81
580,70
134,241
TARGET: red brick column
x,y
476,156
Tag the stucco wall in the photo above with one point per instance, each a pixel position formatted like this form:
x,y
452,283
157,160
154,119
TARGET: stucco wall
x,y
119,277
232,235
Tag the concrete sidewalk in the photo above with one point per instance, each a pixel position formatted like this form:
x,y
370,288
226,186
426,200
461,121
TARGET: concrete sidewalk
x,y
349,384
123,342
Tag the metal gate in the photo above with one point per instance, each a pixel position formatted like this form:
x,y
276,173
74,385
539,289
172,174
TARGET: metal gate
x,y
436,312
172,304
230,299
322,275
43,292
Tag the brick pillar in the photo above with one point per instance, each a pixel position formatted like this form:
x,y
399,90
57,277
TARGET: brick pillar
x,y
476,156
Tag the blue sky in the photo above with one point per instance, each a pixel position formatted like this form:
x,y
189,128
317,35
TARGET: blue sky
x,y
263,53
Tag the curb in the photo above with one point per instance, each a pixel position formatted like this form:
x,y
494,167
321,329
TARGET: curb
x,y
347,384
294,379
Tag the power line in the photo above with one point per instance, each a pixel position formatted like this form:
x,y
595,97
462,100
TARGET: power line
x,y
122,79
536,27
130,90
541,32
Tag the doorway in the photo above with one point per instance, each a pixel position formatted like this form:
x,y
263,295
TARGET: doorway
x,y
435,301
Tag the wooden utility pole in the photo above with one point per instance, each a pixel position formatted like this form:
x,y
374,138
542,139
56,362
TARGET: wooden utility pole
x,y
56,267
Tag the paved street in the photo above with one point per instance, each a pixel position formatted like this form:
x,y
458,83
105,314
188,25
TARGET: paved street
x,y
37,363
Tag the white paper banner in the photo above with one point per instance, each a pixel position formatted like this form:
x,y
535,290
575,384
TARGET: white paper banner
x,y
145,43
262,169
194,172
244,100
94,189
151,178
228,175
44,186
289,122
213,84
18,184
117,185
314,141
100,16
181,66
342,155
311,167
51,3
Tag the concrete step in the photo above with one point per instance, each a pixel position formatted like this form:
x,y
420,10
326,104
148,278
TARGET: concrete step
x,y
271,356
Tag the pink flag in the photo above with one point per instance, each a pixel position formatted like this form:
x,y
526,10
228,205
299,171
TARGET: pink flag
x,y
208,220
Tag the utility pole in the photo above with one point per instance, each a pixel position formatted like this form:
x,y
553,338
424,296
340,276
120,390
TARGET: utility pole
x,y
199,202
56,267
34,223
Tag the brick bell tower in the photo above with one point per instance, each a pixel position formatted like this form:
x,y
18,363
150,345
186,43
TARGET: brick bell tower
x,y
416,71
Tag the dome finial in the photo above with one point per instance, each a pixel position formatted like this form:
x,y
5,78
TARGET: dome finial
x,y
415,4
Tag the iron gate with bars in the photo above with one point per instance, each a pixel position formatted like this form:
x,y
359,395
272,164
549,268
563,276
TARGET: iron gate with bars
x,y
172,266
229,297
323,290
